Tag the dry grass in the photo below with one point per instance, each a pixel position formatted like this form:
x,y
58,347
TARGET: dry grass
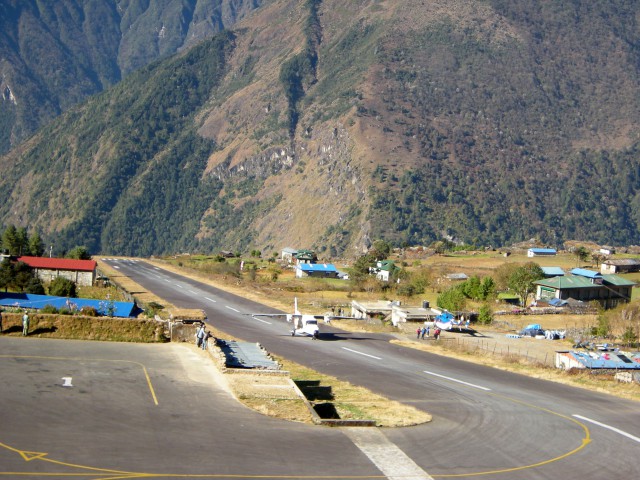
x,y
591,380
353,402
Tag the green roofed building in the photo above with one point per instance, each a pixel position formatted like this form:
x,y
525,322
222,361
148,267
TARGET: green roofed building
x,y
306,256
586,286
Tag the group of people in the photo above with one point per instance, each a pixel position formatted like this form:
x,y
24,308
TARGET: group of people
x,y
25,323
425,332
202,336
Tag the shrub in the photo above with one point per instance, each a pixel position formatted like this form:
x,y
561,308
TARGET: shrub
x,y
62,287
48,309
485,316
89,311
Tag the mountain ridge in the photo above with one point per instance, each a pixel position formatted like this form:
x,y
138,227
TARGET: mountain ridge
x,y
330,124
55,54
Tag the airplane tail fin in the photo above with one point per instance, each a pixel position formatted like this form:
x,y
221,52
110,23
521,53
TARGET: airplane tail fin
x,y
295,306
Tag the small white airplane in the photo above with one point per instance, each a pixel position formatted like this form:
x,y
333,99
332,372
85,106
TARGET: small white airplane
x,y
302,324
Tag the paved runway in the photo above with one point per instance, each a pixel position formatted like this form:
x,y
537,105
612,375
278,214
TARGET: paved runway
x,y
486,422
75,409
72,409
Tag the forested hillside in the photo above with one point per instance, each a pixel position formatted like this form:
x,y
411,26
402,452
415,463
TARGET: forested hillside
x,y
326,124
54,54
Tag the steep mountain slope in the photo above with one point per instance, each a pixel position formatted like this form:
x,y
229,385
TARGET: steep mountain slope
x,y
329,123
55,54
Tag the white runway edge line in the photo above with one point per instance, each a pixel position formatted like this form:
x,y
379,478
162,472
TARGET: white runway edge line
x,y
386,456
457,381
231,308
609,427
360,353
260,320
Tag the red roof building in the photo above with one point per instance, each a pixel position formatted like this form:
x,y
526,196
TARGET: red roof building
x,y
82,272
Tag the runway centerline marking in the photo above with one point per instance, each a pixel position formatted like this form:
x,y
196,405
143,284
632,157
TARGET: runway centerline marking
x,y
231,308
210,299
451,379
361,353
608,427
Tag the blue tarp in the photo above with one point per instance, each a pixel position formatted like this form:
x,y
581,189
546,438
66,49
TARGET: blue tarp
x,y
556,302
29,300
533,326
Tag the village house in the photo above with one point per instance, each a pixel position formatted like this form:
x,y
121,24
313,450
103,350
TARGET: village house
x,y
325,270
541,252
81,272
305,256
620,265
457,277
372,309
606,250
586,286
287,254
384,270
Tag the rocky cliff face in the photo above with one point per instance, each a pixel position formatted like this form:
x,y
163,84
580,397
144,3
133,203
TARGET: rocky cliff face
x,y
55,54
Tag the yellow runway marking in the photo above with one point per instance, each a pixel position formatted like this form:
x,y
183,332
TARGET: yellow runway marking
x,y
584,442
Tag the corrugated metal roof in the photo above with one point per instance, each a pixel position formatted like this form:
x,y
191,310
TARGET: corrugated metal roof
x,y
317,267
59,263
552,271
617,280
246,355
583,272
608,360
543,250
622,261
566,282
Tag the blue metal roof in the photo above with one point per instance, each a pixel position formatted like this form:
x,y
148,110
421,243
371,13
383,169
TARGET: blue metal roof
x,y
29,300
318,267
583,272
552,271
543,250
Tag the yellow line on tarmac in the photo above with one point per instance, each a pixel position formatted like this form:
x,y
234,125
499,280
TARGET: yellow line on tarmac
x,y
144,369
585,441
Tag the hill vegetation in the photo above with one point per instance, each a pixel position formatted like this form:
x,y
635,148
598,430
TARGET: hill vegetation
x,y
325,124
56,54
